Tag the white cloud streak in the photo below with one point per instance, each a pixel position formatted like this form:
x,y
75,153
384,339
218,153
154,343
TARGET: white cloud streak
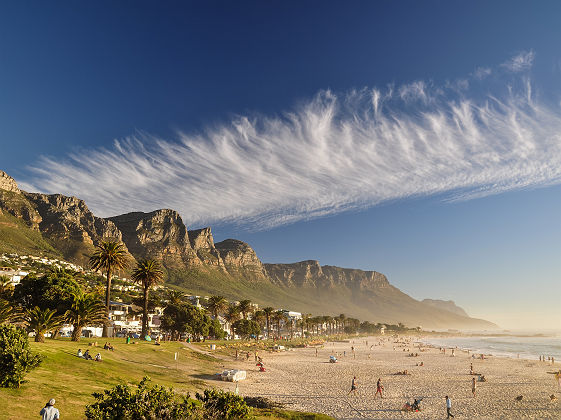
x,y
333,154
521,62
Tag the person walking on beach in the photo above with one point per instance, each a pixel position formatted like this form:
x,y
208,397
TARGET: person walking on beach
x,y
473,386
49,412
379,388
354,384
448,408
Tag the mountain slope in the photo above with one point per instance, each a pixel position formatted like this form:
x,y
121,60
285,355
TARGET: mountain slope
x,y
56,224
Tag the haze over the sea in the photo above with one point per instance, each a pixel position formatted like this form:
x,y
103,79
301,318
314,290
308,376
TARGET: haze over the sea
x,y
422,142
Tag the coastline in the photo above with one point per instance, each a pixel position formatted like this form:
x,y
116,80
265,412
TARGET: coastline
x,y
301,381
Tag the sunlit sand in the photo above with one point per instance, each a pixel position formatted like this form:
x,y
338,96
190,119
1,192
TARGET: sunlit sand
x,y
302,381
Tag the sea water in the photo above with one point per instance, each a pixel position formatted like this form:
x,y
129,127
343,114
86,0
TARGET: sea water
x,y
526,347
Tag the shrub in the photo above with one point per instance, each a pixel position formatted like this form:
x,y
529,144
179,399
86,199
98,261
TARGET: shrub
x,y
16,358
224,405
146,402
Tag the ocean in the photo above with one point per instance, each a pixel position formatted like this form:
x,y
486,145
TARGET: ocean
x,y
505,346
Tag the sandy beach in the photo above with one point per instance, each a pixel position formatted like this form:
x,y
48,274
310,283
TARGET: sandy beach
x,y
302,381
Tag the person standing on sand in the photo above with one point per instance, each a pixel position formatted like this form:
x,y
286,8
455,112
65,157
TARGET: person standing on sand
x,y
354,385
49,412
473,386
448,408
379,388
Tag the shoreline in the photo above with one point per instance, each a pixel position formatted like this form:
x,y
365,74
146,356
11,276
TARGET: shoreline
x,y
301,381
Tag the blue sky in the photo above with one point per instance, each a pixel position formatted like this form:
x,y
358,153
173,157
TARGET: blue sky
x,y
416,139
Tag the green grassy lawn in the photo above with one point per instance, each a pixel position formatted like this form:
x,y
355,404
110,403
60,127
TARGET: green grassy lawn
x,y
72,380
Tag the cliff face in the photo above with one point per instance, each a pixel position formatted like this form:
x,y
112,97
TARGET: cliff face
x,y
65,218
162,234
311,274
7,183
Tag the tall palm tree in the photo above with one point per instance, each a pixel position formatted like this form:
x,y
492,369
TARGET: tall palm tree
x,y
86,309
268,314
245,307
42,321
6,287
217,305
148,273
342,320
109,255
304,322
232,315
279,317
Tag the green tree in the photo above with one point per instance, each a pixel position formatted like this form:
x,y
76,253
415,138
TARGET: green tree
x,y
217,305
53,290
268,311
109,256
16,358
185,318
246,328
6,288
245,307
42,321
148,273
7,312
86,309
175,297
279,317
232,315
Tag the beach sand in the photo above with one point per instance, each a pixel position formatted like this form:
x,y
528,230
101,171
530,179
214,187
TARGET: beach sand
x,y
302,381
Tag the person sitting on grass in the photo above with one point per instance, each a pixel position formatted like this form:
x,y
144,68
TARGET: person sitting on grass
x,y
98,357
87,355
79,354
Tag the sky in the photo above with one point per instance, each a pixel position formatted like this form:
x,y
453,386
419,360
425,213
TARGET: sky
x,y
418,139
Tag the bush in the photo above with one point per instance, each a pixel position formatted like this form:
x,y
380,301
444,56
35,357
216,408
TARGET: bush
x,y
147,402
16,358
224,405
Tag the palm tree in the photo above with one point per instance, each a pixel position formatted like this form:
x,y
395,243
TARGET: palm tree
x,y
6,287
42,321
279,317
304,322
175,297
148,273
7,312
245,307
86,309
216,305
109,255
342,318
259,317
232,315
268,313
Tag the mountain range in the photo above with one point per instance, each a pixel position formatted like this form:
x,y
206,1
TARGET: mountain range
x,y
63,226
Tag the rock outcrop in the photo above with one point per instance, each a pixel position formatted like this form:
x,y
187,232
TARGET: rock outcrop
x,y
7,183
65,218
311,274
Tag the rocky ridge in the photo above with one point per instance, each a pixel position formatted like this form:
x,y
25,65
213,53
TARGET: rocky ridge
x,y
230,267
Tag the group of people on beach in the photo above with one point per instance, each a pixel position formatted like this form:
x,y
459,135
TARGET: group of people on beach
x,y
379,387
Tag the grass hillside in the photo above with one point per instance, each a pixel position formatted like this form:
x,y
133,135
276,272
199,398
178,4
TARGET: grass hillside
x,y
71,380
16,236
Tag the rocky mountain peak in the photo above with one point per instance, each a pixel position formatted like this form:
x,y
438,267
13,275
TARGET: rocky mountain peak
x,y
8,183
201,239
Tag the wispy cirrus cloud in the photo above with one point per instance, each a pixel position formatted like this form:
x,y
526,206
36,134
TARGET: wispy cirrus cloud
x,y
520,62
330,155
